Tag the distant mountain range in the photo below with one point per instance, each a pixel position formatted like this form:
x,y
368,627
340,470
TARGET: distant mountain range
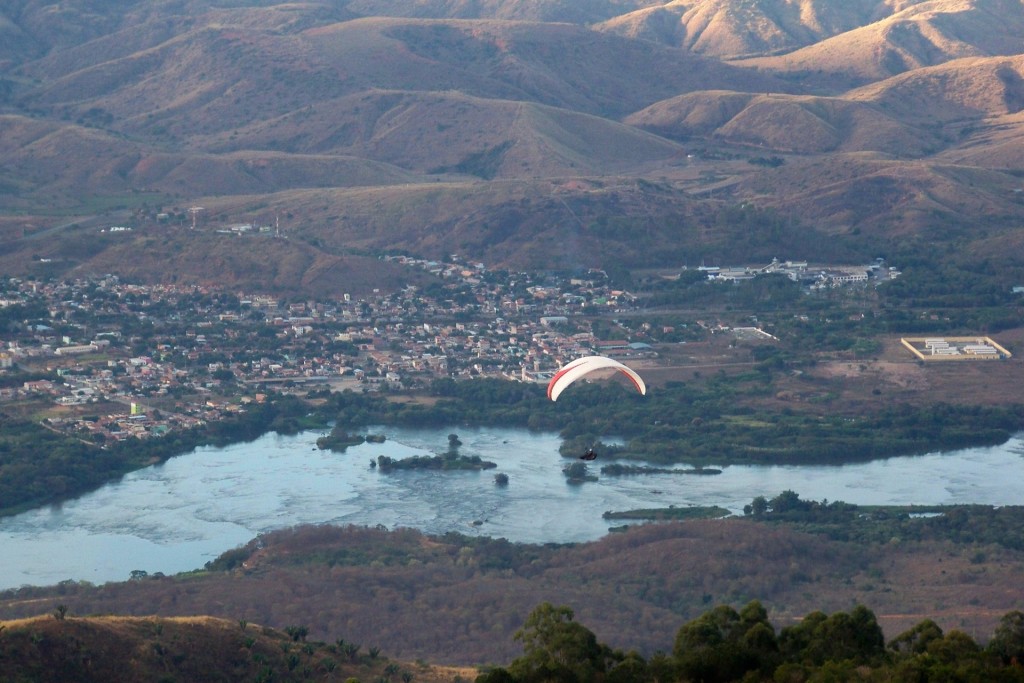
x,y
521,133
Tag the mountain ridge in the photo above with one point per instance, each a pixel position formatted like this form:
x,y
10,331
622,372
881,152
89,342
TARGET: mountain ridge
x,y
327,113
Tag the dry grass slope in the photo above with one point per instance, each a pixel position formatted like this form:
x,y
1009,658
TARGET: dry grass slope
x,y
184,649
796,124
517,133
460,602
920,35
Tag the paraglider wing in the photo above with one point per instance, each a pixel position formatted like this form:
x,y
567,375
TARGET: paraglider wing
x,y
565,369
584,366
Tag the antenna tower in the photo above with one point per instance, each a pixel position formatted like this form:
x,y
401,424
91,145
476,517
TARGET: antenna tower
x,y
195,212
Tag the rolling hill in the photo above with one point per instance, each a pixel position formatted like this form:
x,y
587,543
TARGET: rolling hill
x,y
519,133
143,649
920,35
798,124
458,600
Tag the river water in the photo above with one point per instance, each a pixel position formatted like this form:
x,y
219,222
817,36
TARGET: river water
x,y
178,515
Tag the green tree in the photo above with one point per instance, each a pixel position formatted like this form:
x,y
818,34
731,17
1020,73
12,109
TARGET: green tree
x,y
724,645
631,668
787,501
297,632
916,639
495,675
1008,640
854,636
758,506
556,648
956,647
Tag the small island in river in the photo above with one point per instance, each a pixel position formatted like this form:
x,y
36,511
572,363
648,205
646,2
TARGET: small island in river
x,y
577,473
339,440
449,461
671,512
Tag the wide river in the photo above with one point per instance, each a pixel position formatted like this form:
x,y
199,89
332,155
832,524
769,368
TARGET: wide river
x,y
178,515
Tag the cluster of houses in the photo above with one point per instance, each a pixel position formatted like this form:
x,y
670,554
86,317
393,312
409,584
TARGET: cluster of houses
x,y
187,354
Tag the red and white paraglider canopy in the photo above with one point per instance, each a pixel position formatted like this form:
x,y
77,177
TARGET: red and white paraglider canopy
x,y
586,365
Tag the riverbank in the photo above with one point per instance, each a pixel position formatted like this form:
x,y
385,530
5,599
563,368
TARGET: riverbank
x,y
459,599
703,426
184,512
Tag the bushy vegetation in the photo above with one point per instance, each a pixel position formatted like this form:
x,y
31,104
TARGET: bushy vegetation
x,y
722,645
942,296
672,512
448,461
339,440
932,295
684,423
725,645
980,524
39,466
459,598
191,650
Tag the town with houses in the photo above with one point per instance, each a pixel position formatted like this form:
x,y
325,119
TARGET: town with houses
x,y
130,360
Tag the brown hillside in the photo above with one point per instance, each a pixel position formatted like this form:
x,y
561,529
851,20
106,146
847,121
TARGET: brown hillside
x,y
965,89
924,34
554,224
176,254
99,31
264,262
51,27
15,44
186,649
737,28
459,601
572,11
73,159
993,142
486,138
546,63
785,123
660,24
249,172
860,192
65,159
216,78
692,114
527,133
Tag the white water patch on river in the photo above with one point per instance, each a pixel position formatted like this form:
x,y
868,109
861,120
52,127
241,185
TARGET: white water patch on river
x,y
178,515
